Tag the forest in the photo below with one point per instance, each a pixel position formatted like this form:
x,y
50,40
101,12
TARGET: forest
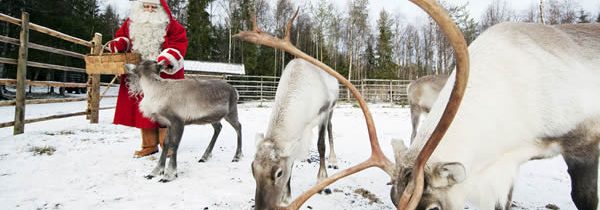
x,y
343,38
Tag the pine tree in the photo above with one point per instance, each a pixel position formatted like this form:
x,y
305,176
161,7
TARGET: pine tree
x,y
465,22
199,31
370,61
598,18
110,22
583,17
385,64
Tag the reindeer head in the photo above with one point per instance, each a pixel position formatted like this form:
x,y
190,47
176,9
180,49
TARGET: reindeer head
x,y
272,174
440,178
146,68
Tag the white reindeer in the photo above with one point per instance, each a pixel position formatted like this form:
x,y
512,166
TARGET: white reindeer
x,y
422,93
304,99
533,92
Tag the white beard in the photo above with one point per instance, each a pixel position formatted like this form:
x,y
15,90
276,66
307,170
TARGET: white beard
x,y
147,31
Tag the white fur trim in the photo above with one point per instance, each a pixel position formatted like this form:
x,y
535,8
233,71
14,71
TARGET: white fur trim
x,y
177,64
151,1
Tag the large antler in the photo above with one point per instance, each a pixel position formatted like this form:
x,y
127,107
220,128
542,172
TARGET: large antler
x,y
377,159
413,192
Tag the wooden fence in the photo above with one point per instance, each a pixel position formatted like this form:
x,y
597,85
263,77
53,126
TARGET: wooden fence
x,y
93,83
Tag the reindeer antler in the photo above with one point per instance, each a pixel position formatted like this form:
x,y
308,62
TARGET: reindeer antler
x,y
414,190
377,159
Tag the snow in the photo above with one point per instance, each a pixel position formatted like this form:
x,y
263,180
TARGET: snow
x,y
93,165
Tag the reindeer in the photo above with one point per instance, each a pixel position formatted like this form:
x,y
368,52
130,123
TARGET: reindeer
x,y
305,98
532,94
176,103
413,192
421,95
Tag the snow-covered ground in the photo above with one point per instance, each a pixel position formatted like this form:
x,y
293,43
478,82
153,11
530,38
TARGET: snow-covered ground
x,y
93,167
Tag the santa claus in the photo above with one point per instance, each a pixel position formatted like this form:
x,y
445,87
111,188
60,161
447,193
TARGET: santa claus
x,y
151,31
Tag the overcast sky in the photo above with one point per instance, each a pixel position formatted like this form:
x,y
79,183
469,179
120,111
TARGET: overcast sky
x,y
409,10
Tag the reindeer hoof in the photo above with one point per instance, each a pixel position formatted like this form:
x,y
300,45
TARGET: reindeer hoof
x,y
149,176
202,160
235,160
164,180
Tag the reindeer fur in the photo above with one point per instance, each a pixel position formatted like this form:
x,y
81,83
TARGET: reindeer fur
x,y
532,93
422,93
304,99
176,103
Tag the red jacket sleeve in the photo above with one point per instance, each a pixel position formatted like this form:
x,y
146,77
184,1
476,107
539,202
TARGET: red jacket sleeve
x,y
174,47
121,42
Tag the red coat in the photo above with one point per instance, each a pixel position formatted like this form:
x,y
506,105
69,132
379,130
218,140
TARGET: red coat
x,y
173,50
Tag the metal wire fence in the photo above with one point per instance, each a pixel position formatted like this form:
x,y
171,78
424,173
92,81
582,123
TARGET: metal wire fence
x,y
263,88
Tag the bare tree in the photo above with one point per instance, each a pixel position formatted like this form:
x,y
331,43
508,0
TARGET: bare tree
x,y
531,14
561,12
358,34
498,11
283,10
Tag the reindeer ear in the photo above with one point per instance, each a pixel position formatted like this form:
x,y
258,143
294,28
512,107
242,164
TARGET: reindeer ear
x,y
448,174
129,68
399,149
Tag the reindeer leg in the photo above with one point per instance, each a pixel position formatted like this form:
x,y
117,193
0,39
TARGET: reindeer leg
x,y
332,156
508,202
232,119
288,190
160,168
175,134
321,147
207,153
415,115
583,170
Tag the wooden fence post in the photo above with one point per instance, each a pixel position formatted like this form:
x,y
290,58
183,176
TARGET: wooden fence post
x,y
94,82
391,92
19,126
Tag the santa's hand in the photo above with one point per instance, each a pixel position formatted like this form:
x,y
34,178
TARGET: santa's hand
x,y
164,62
172,59
119,44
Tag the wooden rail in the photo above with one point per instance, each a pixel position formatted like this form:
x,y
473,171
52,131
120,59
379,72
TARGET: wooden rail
x,y
48,100
42,101
42,47
8,124
48,31
44,83
43,65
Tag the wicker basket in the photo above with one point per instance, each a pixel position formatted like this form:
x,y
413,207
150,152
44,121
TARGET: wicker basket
x,y
110,63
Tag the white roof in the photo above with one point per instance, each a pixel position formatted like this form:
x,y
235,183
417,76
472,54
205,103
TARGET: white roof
x,y
211,67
